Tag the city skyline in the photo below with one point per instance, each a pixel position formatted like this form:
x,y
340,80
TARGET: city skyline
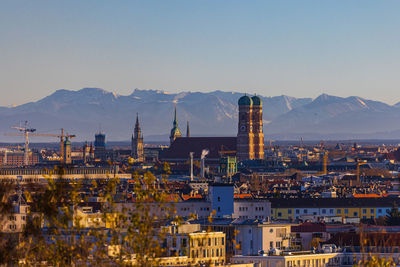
x,y
301,49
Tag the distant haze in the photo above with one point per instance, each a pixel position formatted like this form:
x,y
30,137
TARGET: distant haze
x,y
297,48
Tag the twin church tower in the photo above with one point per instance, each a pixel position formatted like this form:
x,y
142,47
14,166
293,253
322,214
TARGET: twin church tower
x,y
250,137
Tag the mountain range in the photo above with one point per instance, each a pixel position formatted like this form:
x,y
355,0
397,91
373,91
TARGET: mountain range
x,y
89,110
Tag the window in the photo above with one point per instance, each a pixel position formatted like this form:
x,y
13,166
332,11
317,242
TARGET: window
x,y
372,210
364,211
323,211
222,240
346,211
289,211
379,210
355,214
305,211
339,211
219,199
271,244
297,211
331,211
219,208
279,214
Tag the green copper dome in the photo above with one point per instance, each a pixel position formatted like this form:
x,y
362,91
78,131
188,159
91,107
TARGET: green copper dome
x,y
245,101
256,101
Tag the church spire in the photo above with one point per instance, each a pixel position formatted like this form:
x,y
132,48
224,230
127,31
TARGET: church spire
x,y
175,132
137,132
137,120
187,130
137,142
175,120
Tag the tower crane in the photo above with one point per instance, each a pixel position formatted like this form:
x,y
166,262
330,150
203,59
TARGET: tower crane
x,y
26,132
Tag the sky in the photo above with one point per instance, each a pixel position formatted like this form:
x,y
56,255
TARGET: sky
x,y
297,48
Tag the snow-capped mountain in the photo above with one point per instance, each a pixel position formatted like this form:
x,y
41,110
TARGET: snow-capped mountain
x,y
89,110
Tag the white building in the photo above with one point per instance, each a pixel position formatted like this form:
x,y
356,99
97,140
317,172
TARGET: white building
x,y
253,237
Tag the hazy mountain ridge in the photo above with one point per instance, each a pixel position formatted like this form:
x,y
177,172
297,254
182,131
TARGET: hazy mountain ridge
x,y
88,110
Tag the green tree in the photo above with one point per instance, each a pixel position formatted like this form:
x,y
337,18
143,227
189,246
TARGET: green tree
x,y
122,234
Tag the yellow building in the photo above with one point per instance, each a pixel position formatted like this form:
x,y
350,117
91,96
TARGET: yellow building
x,y
361,208
294,260
200,247
207,248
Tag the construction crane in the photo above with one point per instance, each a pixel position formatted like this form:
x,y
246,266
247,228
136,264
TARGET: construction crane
x,y
61,136
26,131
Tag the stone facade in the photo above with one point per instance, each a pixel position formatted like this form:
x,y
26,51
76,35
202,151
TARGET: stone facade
x,y
137,143
250,137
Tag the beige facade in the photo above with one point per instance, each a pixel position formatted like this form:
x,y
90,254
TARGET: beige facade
x,y
252,238
15,221
200,247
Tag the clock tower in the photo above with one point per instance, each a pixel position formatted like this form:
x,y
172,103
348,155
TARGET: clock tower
x,y
245,136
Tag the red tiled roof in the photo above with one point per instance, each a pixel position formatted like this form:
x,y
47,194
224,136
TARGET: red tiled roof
x,y
182,146
186,197
366,195
242,196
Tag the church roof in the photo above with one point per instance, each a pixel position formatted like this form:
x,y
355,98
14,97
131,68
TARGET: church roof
x,y
182,146
245,101
256,101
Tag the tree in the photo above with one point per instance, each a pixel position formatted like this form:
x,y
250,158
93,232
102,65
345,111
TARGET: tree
x,y
125,234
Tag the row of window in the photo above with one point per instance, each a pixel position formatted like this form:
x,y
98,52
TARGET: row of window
x,y
207,253
332,211
202,241
247,208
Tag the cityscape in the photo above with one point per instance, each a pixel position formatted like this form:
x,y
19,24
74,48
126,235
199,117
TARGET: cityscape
x,y
234,201
259,133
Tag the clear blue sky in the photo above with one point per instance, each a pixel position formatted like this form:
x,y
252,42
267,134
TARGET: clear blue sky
x,y
298,48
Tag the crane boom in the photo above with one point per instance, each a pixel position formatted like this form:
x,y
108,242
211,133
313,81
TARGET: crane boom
x,y
25,131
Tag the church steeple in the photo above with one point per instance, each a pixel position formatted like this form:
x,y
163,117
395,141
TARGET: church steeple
x,y
187,130
175,131
138,131
137,142
175,120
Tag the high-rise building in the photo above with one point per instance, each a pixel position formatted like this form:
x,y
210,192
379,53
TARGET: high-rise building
x,y
137,142
250,137
175,131
100,146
